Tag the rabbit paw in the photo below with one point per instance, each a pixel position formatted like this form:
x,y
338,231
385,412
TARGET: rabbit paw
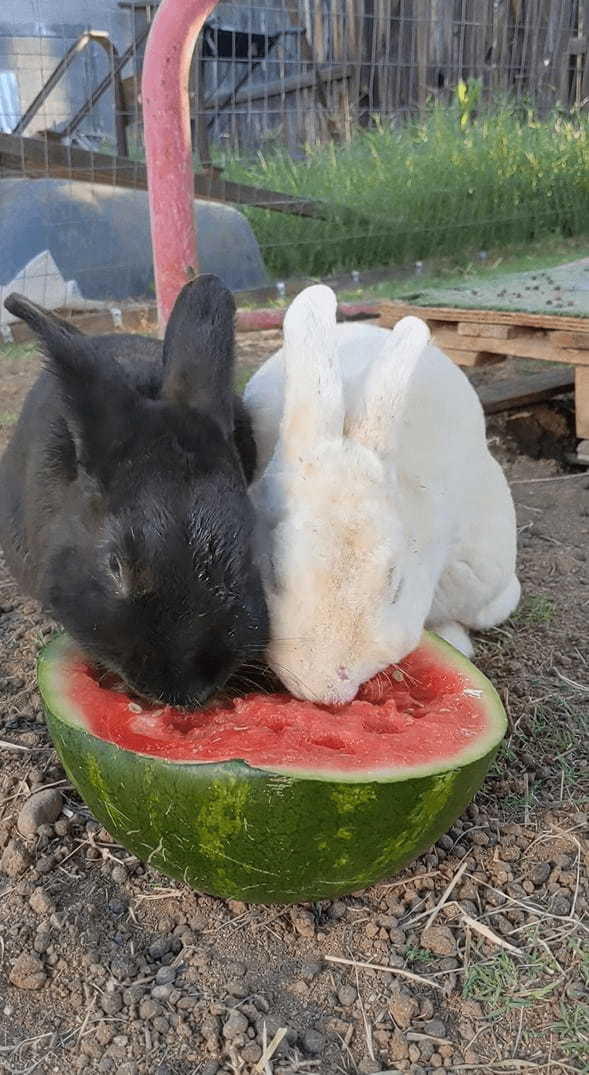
x,y
500,608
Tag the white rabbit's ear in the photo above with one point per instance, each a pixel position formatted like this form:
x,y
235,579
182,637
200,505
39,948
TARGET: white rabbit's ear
x,y
313,396
373,419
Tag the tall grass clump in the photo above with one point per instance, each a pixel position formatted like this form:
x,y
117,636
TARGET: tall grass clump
x,y
434,187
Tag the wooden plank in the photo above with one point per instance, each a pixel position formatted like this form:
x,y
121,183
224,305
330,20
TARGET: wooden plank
x,y
582,402
571,339
521,391
534,345
471,358
392,311
497,332
264,91
40,158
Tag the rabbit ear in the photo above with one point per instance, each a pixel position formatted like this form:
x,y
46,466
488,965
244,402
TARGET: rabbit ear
x,y
198,350
313,395
100,403
373,420
36,317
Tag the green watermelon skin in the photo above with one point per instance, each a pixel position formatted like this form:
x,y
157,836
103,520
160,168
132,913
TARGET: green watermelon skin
x,y
238,832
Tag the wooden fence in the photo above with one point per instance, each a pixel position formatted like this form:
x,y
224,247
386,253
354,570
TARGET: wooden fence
x,y
361,59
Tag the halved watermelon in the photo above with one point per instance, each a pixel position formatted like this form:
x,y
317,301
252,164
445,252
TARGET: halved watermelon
x,y
269,799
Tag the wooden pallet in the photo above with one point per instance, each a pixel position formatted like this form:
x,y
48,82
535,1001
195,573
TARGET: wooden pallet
x,y
480,337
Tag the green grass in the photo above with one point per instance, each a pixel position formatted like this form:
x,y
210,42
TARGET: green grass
x,y
535,609
504,985
13,352
425,190
492,983
573,1033
501,984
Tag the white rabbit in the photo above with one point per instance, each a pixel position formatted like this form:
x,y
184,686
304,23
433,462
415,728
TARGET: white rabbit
x,y
380,509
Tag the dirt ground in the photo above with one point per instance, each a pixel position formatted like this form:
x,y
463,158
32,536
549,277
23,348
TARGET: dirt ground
x,y
479,950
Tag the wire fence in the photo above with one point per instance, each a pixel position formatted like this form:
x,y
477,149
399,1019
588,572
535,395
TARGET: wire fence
x,y
350,134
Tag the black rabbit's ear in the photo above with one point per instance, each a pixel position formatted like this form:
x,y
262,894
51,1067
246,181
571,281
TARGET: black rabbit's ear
x,y
36,317
101,404
198,350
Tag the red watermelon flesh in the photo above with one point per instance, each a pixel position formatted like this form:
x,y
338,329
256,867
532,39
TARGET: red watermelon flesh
x,y
422,715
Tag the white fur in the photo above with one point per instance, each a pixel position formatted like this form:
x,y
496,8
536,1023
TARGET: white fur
x,y
373,473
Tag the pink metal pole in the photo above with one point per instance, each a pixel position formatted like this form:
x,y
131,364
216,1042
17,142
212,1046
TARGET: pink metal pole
x,y
168,148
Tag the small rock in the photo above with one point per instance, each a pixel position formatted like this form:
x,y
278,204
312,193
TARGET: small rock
x,y
41,902
43,808
111,1003
15,859
435,1028
28,972
165,975
347,995
403,1008
472,1009
235,1027
185,1003
313,1042
540,873
561,904
310,971
123,966
398,1046
128,1068
440,940
161,992
304,923
149,1009
251,1053
337,910
159,948
119,874
369,1067
565,563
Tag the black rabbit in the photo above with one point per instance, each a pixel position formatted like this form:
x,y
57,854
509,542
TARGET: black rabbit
x,y
123,499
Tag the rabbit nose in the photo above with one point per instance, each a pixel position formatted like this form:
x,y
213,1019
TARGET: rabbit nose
x,y
342,673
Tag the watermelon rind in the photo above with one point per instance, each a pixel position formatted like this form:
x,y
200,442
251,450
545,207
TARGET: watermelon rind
x,y
265,836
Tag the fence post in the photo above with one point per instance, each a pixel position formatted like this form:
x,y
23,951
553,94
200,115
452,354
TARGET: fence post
x,y
168,149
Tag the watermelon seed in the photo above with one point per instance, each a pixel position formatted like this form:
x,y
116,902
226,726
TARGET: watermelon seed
x,y
134,707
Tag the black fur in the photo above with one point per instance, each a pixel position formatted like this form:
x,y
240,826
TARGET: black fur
x,y
123,500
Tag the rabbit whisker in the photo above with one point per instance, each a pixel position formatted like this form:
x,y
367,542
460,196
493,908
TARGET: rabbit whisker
x,y
281,671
